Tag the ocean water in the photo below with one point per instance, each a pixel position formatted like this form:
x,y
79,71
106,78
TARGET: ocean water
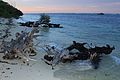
x,y
91,28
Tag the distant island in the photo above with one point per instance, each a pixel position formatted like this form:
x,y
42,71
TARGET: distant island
x,y
100,14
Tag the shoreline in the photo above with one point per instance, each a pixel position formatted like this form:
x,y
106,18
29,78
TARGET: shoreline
x,y
39,70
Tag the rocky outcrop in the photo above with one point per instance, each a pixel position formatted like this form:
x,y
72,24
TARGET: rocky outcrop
x,y
35,24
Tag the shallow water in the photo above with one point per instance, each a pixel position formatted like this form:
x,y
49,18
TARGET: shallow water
x,y
91,28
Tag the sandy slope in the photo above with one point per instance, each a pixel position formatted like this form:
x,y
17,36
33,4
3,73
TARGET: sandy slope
x,y
32,70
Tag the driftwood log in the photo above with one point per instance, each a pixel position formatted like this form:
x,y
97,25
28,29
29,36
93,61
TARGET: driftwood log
x,y
20,47
54,56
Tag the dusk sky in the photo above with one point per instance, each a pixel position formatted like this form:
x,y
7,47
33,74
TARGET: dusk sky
x,y
67,6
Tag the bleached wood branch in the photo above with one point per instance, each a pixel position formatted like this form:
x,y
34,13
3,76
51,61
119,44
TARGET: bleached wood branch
x,y
22,46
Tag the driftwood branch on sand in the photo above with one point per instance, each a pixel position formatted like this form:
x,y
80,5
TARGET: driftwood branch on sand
x,y
20,47
7,62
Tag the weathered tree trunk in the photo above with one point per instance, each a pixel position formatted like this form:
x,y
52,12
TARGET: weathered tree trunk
x,y
21,47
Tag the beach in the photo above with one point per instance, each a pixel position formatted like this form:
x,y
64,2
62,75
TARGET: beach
x,y
84,29
25,71
20,69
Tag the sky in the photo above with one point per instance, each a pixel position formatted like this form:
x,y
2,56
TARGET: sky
x,y
67,6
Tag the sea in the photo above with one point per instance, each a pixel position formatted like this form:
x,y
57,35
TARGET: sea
x,y
83,27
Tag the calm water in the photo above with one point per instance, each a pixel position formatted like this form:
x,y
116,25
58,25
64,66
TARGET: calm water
x,y
91,28
98,29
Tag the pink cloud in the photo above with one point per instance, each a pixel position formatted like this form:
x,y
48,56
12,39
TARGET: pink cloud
x,y
57,9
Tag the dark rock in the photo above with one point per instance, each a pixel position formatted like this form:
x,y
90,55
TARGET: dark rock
x,y
3,72
27,24
100,14
54,25
49,58
8,68
35,24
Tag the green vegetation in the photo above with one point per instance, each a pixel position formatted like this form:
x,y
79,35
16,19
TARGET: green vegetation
x,y
8,11
44,19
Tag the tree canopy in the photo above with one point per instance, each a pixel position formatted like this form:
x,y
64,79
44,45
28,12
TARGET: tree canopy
x,y
8,11
44,19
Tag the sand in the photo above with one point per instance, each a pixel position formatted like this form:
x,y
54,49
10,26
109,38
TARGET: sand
x,y
32,70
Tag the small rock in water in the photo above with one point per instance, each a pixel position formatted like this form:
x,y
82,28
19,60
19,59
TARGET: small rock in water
x,y
107,74
3,72
27,64
8,68
24,62
6,76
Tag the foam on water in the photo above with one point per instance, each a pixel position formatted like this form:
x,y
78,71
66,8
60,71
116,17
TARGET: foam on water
x,y
81,65
116,59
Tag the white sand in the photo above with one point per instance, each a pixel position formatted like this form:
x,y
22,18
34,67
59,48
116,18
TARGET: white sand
x,y
36,70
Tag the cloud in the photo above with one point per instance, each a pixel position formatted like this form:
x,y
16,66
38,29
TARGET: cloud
x,y
53,9
111,7
68,6
111,4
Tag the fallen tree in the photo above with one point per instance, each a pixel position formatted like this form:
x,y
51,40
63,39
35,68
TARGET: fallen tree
x,y
54,56
20,47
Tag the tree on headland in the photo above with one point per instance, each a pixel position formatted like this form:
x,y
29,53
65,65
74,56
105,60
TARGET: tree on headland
x,y
8,11
44,19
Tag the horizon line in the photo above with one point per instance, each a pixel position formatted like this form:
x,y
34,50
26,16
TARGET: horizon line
x,y
69,12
